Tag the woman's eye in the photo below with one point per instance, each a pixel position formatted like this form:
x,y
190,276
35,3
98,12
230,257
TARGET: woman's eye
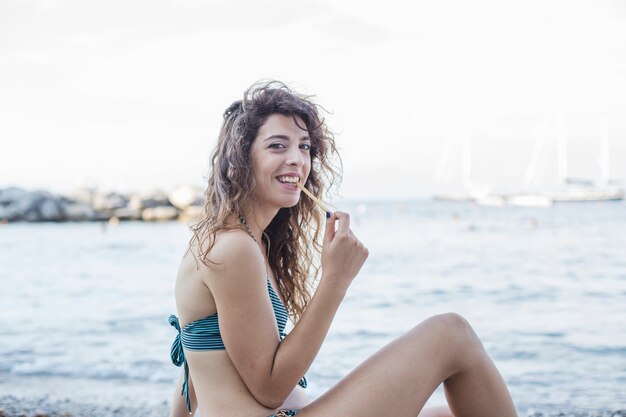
x,y
277,146
305,146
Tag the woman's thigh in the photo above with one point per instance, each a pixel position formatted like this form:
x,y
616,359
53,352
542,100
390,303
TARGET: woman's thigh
x,y
398,379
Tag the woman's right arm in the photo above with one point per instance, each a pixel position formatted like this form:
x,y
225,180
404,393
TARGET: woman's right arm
x,y
271,368
343,256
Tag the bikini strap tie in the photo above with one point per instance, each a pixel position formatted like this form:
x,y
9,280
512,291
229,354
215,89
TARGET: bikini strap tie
x,y
177,354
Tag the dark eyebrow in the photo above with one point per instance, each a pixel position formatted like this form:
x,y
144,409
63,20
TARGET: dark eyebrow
x,y
285,137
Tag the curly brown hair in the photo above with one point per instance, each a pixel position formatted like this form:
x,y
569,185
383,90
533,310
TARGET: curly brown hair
x,y
295,232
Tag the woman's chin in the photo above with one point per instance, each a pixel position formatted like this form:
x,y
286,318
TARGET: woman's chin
x,y
288,201
290,204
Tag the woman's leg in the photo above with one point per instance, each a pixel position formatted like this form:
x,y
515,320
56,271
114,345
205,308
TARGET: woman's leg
x,y
441,411
398,379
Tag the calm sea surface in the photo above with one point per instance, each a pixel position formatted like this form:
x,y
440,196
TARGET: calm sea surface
x,y
84,306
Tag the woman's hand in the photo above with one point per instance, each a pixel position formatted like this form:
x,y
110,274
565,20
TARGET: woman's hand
x,y
343,254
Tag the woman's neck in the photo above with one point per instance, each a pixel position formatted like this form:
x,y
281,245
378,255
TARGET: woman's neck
x,y
257,220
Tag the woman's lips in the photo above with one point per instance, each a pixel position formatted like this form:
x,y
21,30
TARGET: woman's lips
x,y
289,186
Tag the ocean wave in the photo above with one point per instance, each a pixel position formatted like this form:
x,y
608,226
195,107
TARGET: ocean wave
x,y
140,371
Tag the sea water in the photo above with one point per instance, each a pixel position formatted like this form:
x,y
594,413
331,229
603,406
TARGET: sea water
x,y
84,306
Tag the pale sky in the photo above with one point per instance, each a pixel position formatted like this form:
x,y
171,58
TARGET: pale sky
x,y
128,95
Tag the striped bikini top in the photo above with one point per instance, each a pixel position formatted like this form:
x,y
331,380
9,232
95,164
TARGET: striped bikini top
x,y
204,334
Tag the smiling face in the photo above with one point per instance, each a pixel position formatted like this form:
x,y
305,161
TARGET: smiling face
x,y
280,154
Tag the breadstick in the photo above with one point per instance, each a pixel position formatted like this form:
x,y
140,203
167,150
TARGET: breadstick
x,y
317,200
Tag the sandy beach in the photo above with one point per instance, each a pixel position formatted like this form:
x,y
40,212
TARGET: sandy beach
x,y
15,406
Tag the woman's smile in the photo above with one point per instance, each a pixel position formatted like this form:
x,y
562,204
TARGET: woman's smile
x,y
288,181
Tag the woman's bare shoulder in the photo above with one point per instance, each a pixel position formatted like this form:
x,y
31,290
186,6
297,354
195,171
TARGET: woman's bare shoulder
x,y
239,266
234,254
227,246
231,247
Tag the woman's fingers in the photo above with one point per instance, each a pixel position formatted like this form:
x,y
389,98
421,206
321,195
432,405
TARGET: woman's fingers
x,y
329,232
343,254
343,220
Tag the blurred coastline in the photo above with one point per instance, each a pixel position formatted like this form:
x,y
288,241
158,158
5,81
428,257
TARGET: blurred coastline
x,y
90,204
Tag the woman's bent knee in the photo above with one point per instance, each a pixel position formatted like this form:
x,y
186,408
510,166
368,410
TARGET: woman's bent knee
x,y
453,322
454,339
453,331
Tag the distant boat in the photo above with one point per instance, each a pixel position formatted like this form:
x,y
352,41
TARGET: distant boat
x,y
492,200
572,194
453,197
446,167
530,200
584,190
570,190
472,192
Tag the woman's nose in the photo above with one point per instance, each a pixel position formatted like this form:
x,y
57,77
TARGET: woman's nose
x,y
294,157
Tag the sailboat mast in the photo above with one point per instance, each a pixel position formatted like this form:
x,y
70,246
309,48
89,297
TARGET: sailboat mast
x,y
467,160
538,151
604,152
562,152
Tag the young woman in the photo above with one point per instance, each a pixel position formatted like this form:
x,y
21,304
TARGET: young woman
x,y
249,265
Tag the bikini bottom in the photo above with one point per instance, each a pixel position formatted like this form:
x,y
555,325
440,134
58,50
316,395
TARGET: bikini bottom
x,y
285,413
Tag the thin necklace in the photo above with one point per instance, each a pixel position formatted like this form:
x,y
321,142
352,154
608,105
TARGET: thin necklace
x,y
244,222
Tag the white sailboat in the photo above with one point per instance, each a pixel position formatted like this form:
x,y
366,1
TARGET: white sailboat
x,y
529,198
570,190
450,156
580,190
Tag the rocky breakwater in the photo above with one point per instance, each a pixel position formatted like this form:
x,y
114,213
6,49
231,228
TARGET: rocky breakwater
x,y
19,205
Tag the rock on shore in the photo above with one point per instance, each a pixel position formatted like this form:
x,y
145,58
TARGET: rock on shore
x,y
19,205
